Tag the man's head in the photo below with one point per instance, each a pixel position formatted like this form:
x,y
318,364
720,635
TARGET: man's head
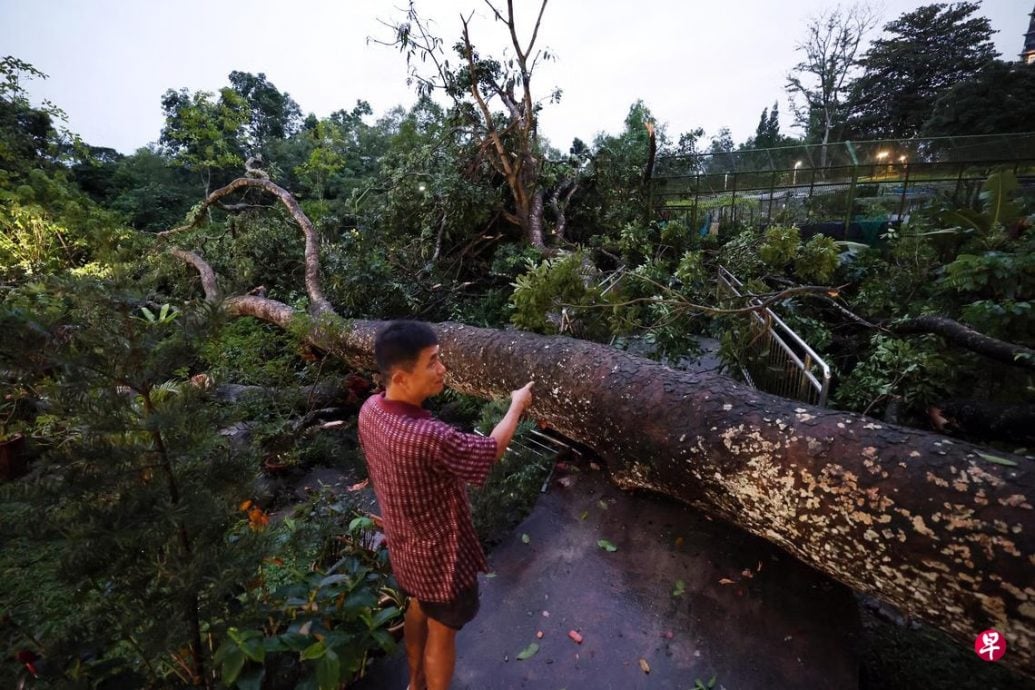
x,y
407,355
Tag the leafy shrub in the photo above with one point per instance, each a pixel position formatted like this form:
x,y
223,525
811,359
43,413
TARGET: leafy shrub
x,y
780,246
315,627
817,260
911,371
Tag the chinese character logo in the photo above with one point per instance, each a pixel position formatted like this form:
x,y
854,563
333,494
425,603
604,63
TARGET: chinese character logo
x,y
990,645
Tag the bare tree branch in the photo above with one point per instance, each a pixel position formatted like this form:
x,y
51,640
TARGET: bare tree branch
x,y
957,333
209,284
318,303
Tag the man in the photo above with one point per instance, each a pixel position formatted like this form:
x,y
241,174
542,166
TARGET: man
x,y
419,466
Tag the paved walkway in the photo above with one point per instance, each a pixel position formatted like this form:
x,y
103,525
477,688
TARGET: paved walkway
x,y
746,614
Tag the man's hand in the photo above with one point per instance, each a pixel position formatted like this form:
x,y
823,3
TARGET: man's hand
x,y
504,431
522,396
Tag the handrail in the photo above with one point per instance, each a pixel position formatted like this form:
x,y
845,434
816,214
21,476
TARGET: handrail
x,y
789,383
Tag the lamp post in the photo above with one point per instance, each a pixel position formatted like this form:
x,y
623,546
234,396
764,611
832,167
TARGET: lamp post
x,y
794,177
881,156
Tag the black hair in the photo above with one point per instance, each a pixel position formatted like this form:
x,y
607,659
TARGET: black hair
x,y
400,344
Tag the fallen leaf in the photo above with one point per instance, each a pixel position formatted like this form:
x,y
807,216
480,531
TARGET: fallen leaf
x,y
575,636
759,566
546,614
679,542
245,505
726,581
644,666
585,514
360,485
602,504
607,546
528,652
998,460
566,482
525,538
746,572
539,634
679,589
594,466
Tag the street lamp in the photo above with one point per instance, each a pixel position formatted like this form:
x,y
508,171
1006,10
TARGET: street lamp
x,y
794,177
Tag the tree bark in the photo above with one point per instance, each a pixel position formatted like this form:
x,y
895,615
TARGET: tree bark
x,y
983,419
957,333
652,152
941,529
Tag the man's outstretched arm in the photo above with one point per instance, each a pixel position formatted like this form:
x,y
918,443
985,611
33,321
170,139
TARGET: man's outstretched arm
x,y
504,431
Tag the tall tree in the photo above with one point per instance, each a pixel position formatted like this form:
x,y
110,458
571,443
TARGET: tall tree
x,y
274,115
821,79
27,134
205,134
508,140
923,53
999,99
767,134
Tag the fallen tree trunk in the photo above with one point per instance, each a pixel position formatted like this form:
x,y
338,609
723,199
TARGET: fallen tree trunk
x,y
941,529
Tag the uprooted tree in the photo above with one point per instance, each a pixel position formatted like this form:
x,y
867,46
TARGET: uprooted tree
x,y
941,529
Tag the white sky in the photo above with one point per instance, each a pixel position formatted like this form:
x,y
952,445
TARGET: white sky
x,y
707,64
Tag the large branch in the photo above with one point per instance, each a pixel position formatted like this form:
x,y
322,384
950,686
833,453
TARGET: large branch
x,y
955,332
318,303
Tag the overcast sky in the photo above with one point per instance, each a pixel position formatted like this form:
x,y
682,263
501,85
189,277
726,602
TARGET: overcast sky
x,y
694,63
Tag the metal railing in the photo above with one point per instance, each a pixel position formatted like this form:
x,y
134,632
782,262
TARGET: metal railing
x,y
777,360
543,443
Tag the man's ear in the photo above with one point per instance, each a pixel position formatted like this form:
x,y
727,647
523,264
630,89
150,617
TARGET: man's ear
x,y
397,377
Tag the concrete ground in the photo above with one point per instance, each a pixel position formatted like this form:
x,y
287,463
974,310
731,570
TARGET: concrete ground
x,y
744,614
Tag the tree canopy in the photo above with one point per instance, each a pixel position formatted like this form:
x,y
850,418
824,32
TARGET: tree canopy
x,y
919,56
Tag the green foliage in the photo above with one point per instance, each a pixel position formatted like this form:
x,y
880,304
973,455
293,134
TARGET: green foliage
x,y
314,627
31,244
547,296
817,260
984,103
901,62
911,371
151,190
250,352
134,490
780,246
205,134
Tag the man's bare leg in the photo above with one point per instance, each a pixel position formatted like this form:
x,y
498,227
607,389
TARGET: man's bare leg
x,y
439,655
415,635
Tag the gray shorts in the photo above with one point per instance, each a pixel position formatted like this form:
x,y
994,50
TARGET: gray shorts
x,y
453,614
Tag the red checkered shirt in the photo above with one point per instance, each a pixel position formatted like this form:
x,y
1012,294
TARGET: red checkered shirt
x,y
418,466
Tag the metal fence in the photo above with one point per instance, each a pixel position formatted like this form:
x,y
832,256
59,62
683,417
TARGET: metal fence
x,y
854,188
777,360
